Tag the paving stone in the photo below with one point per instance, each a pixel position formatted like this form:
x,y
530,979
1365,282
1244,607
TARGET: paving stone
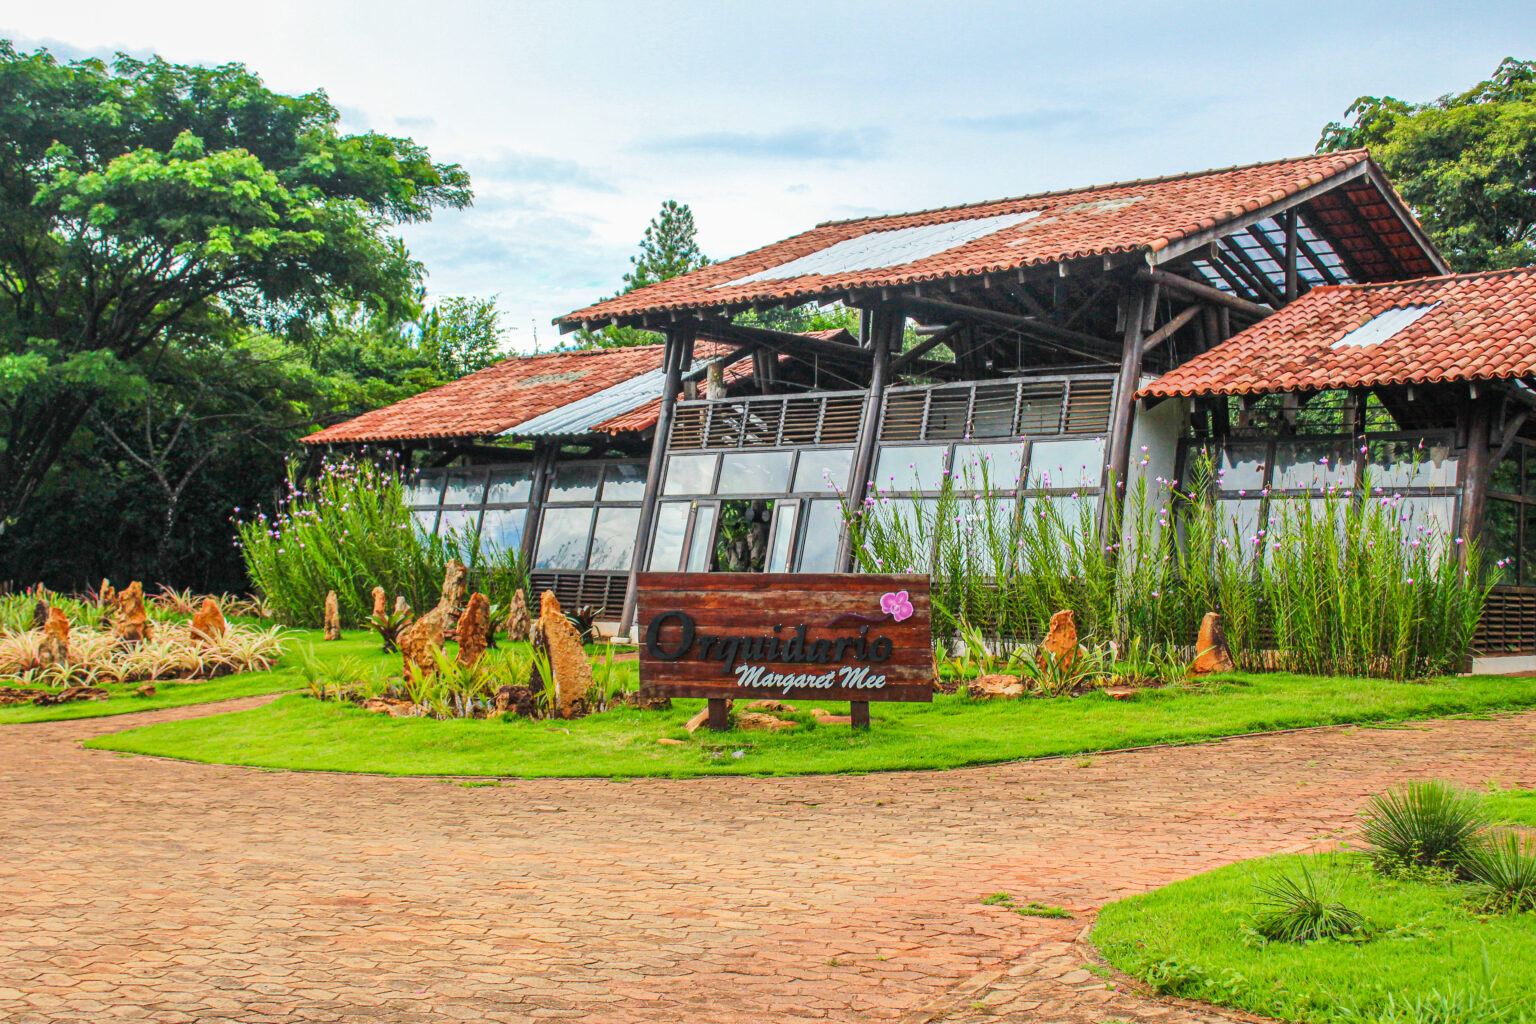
x,y
168,892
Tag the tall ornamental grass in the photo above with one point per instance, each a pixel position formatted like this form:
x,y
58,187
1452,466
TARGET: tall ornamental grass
x,y
1339,584
349,529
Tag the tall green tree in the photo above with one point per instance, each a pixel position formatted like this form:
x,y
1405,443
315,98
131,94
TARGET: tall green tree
x,y
670,247
142,199
1465,162
461,334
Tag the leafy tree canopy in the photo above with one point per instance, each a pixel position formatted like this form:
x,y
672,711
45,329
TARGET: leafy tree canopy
x,y
670,247
141,201
1465,162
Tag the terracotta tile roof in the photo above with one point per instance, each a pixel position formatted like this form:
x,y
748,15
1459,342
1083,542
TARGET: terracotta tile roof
x,y
1145,216
1481,327
492,400
519,390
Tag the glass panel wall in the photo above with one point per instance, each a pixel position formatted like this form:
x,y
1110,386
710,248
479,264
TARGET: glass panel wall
x,y
590,516
752,510
1509,519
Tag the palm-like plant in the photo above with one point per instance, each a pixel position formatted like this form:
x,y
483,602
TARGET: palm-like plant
x,y
1423,823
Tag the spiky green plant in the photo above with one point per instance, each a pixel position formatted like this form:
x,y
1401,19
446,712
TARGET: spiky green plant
x,y
1298,909
1502,868
1422,823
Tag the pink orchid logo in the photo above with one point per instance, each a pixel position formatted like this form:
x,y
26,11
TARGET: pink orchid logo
x,y
897,605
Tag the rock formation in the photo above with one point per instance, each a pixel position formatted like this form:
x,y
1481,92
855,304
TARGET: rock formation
x,y
1061,640
1211,653
401,608
208,623
107,596
450,604
131,624
517,623
332,617
995,686
474,629
380,603
54,650
568,662
417,642
40,614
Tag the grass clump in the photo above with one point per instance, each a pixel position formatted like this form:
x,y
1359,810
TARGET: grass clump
x,y
1298,909
1502,870
1030,909
1429,824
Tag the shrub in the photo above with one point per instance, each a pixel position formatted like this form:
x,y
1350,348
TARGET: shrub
x,y
1502,868
1337,584
173,652
1423,823
349,530
1297,910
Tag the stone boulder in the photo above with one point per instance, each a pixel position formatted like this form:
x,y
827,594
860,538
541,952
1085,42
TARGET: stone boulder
x,y
380,603
401,607
515,699
771,707
72,694
417,642
517,624
568,662
106,596
1211,652
40,615
54,650
208,624
1061,639
995,686
455,593
474,631
753,721
131,624
332,617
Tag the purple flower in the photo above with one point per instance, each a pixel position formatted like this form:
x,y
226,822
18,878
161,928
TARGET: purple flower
x,y
897,604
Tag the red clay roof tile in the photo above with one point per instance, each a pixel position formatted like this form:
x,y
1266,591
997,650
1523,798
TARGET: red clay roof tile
x,y
1100,220
1482,327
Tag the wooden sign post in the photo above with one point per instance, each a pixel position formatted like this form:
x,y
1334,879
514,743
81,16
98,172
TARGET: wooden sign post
x,y
722,636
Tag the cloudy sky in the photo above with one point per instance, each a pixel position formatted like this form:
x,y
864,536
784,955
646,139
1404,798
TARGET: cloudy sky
x,y
577,119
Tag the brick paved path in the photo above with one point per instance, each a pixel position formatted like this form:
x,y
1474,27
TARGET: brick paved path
x,y
144,890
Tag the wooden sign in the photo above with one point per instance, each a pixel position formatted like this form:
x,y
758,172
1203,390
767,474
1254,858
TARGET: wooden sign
x,y
852,637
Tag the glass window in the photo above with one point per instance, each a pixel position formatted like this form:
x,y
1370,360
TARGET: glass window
x,y
905,468
426,519
701,546
502,529
625,481
823,469
785,513
1527,551
754,473
465,487
993,467
690,474
1073,515
613,541
823,531
1241,468
667,547
424,489
461,521
1410,464
510,485
1067,464
1506,475
1314,465
563,539
1501,536
574,482
1431,518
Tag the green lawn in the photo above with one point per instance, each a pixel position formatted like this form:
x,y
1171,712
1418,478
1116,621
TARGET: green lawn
x,y
282,677
1511,806
1431,960
300,733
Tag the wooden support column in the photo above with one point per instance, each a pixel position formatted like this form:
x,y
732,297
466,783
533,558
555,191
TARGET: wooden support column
x,y
884,336
1124,412
678,348
1476,466
1291,283
544,453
